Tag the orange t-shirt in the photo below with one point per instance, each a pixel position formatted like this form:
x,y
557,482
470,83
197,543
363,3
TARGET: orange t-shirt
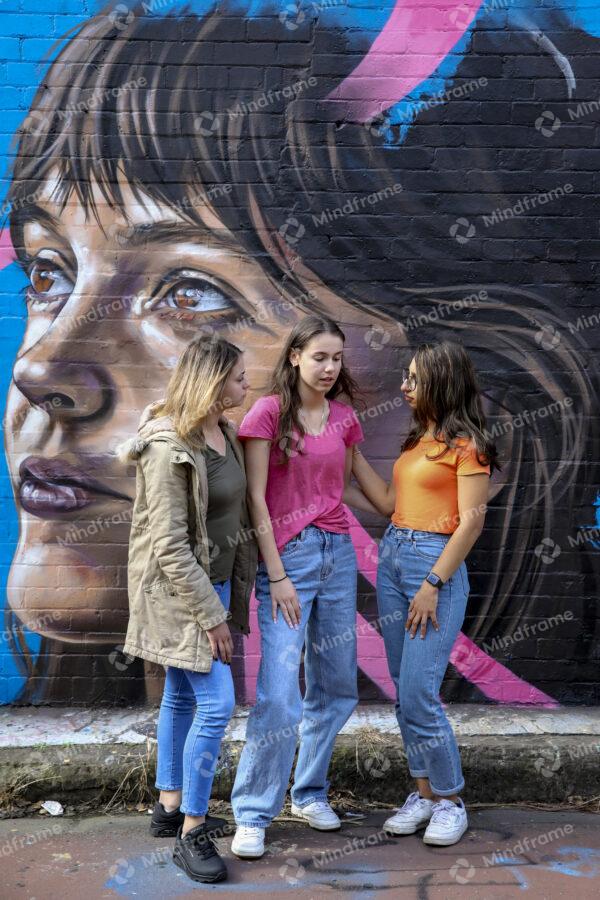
x,y
427,490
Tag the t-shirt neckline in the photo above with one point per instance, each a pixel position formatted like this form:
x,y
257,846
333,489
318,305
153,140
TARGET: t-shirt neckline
x,y
321,433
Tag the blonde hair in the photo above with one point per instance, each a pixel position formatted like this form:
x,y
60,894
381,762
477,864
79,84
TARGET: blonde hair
x,y
196,384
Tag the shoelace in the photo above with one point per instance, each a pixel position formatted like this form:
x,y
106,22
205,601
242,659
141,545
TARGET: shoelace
x,y
321,806
444,812
251,830
410,801
204,845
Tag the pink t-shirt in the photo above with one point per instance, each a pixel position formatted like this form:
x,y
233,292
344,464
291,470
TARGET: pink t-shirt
x,y
308,491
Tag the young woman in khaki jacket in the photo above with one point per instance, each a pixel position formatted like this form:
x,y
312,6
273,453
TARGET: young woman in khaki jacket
x,y
192,563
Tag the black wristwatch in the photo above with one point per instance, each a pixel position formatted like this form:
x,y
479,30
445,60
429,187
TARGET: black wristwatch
x,y
435,580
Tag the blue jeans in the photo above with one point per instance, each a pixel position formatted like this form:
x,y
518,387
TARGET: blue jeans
x,y
322,567
417,666
194,712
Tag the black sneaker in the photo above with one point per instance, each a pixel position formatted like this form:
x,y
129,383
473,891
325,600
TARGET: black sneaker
x,y
163,823
166,824
197,855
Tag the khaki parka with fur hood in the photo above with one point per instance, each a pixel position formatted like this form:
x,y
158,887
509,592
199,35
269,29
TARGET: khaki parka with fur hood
x,y
171,599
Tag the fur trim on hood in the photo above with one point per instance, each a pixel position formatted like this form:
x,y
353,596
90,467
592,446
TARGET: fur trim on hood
x,y
148,426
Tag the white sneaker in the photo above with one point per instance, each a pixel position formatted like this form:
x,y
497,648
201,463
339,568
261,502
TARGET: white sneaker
x,y
318,814
448,823
248,842
415,814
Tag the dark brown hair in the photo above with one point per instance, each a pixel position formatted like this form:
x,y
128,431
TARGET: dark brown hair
x,y
448,395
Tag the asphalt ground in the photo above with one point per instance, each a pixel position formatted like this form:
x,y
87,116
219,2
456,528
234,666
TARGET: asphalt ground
x,y
507,852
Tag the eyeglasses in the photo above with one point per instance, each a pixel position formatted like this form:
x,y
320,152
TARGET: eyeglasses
x,y
409,378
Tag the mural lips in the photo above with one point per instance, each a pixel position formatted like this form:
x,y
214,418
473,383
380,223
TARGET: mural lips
x,y
49,487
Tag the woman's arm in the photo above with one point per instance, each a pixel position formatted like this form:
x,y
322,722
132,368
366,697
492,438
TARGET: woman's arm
x,y
472,506
283,593
381,495
352,495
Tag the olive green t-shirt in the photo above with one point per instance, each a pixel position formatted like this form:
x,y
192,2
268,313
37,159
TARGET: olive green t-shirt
x,y
226,490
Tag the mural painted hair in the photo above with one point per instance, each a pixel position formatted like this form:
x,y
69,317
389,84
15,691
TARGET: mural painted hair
x,y
233,113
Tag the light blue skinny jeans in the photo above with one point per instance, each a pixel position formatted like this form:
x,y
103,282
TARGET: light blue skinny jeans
x,y
194,712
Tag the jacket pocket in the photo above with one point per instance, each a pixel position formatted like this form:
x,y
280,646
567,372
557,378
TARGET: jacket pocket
x,y
169,628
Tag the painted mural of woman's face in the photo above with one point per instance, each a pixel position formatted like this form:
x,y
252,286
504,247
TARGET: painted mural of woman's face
x,y
112,302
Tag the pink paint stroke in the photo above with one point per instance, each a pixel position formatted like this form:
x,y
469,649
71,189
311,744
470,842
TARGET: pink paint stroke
x,y
7,252
418,35
491,677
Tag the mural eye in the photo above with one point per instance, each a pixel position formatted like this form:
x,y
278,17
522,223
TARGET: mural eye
x,y
196,295
48,280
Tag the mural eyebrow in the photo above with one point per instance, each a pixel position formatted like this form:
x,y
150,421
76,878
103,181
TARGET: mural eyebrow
x,y
171,232
34,213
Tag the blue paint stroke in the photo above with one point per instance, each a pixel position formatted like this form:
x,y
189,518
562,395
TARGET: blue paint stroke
x,y
153,881
584,528
585,862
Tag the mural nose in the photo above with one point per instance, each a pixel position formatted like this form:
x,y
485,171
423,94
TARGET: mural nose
x,y
74,390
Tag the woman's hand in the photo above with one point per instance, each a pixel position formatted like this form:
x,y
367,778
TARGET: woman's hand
x,y
283,594
221,642
422,607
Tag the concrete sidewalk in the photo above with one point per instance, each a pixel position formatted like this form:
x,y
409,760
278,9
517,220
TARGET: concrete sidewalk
x,y
510,755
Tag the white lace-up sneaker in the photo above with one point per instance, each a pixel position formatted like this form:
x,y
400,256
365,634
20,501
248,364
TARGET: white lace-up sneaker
x,y
318,814
448,823
248,842
415,814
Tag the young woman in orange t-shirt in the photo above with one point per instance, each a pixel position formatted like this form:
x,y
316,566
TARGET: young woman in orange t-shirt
x,y
437,502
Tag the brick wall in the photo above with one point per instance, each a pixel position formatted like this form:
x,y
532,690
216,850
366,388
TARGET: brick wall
x,y
419,172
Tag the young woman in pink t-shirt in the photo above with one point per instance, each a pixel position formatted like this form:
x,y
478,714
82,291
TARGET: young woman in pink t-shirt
x,y
298,450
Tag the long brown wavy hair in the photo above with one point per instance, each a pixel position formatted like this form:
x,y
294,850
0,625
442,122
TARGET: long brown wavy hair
x,y
284,383
449,396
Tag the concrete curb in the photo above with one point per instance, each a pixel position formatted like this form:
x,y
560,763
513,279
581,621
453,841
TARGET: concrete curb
x,y
509,755
497,769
